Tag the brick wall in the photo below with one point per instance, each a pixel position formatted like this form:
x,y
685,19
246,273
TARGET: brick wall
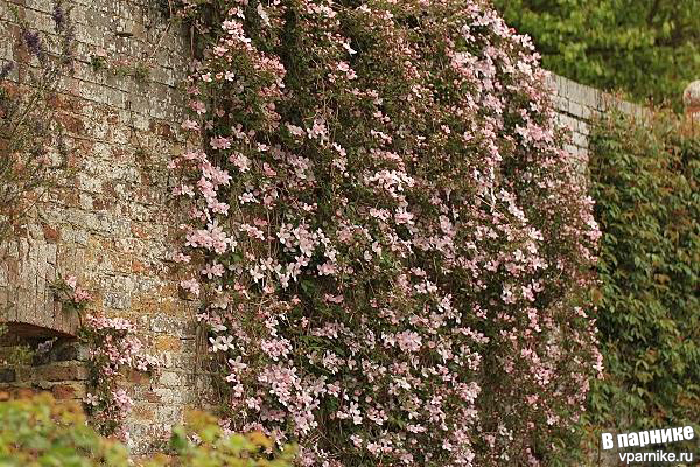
x,y
109,225
577,104
59,370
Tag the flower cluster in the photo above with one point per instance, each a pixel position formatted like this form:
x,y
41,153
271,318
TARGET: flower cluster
x,y
78,295
390,244
70,293
113,350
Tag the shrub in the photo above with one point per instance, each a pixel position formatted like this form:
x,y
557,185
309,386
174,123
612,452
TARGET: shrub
x,y
204,444
647,49
39,432
391,246
645,181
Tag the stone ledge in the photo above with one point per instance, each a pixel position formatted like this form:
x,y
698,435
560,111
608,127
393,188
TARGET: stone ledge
x,y
55,372
62,391
49,373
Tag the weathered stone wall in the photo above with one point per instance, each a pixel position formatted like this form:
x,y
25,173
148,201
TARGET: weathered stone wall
x,y
110,225
58,369
577,104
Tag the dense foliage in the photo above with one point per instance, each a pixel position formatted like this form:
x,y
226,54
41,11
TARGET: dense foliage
x,y
40,432
648,49
646,184
391,247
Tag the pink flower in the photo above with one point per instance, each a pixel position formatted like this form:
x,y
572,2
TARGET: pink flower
x,y
122,399
91,399
190,125
220,143
198,106
409,341
81,295
72,282
213,270
191,285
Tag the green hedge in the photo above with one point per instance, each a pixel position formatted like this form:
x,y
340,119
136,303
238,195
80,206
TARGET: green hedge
x,y
644,180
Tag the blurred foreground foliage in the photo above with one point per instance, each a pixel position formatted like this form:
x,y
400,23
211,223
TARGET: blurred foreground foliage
x,y
40,432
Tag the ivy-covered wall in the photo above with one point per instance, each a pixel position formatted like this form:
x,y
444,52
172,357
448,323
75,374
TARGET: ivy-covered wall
x,y
644,179
110,225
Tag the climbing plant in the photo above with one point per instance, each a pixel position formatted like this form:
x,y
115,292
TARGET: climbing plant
x,y
113,351
645,181
391,248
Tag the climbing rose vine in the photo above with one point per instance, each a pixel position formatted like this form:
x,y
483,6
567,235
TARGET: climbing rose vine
x,y
390,246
